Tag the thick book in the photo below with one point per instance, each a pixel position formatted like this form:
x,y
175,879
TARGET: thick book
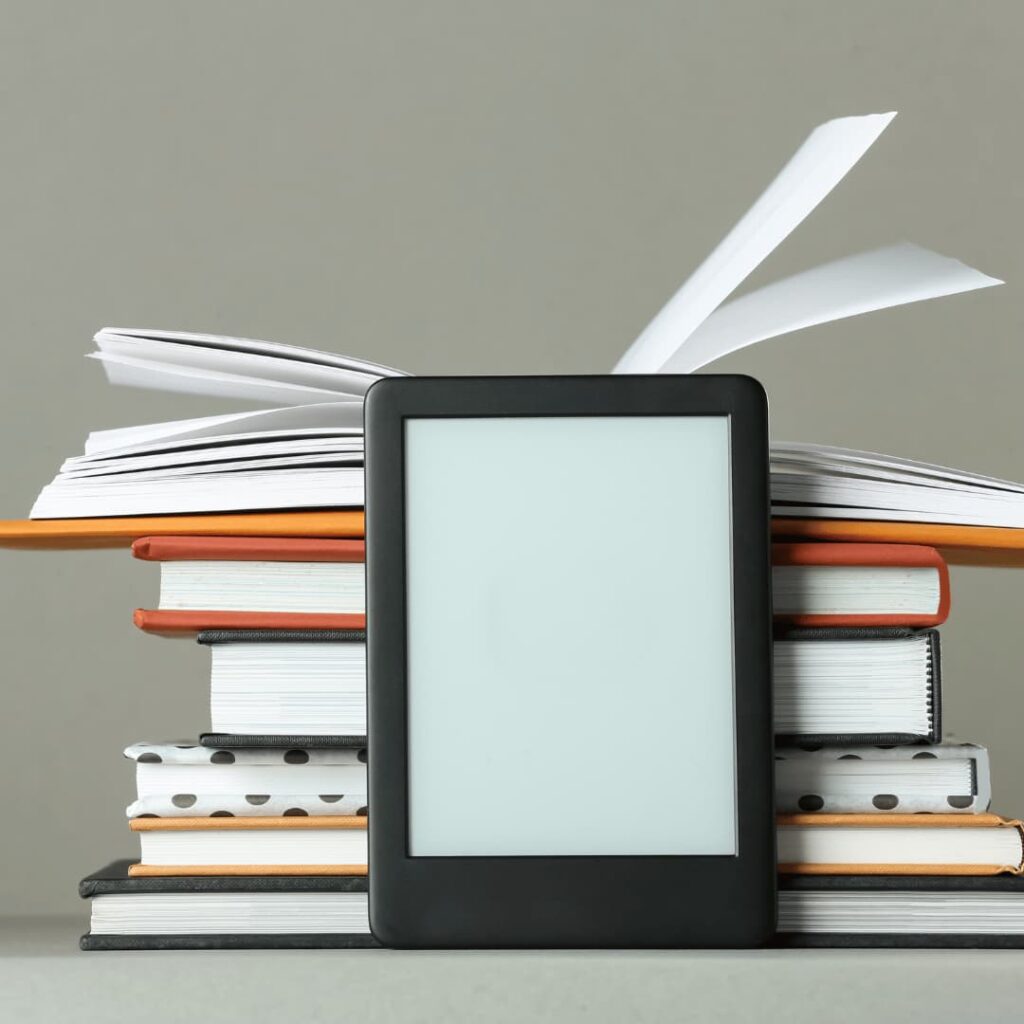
x,y
309,683
305,451
859,585
857,686
179,780
225,911
255,583
901,911
287,845
899,844
938,778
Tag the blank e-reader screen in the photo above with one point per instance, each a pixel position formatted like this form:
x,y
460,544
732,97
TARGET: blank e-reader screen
x,y
570,636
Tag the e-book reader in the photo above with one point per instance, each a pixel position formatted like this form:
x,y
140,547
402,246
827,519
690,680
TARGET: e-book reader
x,y
569,651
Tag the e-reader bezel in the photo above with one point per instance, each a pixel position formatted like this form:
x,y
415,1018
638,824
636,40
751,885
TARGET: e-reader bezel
x,y
569,901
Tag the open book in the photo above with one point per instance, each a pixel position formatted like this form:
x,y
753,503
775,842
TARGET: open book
x,y
306,449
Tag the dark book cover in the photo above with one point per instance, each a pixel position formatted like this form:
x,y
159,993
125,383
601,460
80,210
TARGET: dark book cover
x,y
233,741
853,634
950,884
114,879
281,636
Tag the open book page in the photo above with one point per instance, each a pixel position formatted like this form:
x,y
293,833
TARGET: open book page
x,y
249,370
823,160
150,344
869,281
814,458
342,417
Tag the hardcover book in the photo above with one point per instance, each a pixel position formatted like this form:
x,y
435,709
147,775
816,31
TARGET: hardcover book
x,y
940,778
899,844
859,585
922,911
286,683
225,911
179,780
857,686
254,582
288,845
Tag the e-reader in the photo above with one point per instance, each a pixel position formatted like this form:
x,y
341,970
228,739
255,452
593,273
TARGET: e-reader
x,y
569,662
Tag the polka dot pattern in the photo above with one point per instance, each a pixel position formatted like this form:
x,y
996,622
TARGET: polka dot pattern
x,y
809,779
292,802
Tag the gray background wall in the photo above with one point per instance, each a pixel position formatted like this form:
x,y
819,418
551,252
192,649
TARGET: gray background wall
x,y
456,187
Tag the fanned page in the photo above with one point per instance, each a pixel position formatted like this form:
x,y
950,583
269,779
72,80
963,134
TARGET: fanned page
x,y
307,451
241,368
824,159
880,279
691,331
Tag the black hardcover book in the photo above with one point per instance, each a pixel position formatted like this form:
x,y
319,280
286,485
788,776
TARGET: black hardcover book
x,y
902,911
113,880
244,719
839,683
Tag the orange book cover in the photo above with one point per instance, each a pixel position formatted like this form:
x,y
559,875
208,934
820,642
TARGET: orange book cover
x,y
909,821
291,822
249,549
120,531
175,623
996,546
870,555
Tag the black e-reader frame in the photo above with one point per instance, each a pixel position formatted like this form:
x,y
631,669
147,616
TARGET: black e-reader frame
x,y
569,901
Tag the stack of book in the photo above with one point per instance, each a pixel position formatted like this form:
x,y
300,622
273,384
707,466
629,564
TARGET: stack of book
x,y
254,835
883,835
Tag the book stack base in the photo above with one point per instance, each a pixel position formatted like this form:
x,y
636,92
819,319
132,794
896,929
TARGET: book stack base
x,y
254,836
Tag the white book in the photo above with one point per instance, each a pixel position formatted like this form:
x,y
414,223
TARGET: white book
x,y
319,845
870,779
281,688
196,465
188,780
984,843
231,913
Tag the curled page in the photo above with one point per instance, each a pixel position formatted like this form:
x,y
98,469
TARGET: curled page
x,y
344,416
893,276
812,172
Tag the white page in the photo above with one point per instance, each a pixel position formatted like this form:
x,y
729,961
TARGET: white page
x,y
214,456
812,172
336,487
892,276
144,373
347,415
270,348
825,455
268,463
273,369
221,442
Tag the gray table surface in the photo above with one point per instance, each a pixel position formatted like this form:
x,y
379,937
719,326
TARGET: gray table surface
x,y
44,977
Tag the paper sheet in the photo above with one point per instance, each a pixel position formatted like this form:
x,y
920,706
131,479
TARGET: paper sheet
x,y
345,415
814,170
879,279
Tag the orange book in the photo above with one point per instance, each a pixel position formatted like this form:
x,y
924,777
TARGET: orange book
x,y
996,546
254,583
885,585
291,845
899,844
120,531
